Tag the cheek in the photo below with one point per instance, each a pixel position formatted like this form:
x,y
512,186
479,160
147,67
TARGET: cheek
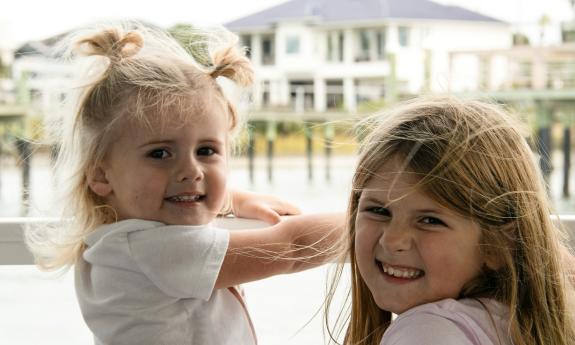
x,y
365,241
450,266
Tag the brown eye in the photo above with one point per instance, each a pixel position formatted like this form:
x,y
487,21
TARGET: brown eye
x,y
431,221
206,151
159,154
380,211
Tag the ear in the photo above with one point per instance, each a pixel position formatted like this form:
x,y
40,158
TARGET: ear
x,y
492,260
98,182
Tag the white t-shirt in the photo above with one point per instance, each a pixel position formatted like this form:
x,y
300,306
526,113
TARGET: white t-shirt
x,y
451,322
143,282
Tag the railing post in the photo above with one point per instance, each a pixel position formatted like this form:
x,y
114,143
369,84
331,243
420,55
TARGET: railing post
x,y
567,120
271,134
309,149
251,151
329,133
544,148
25,156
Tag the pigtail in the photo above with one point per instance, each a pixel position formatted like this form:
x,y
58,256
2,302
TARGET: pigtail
x,y
230,63
125,71
112,43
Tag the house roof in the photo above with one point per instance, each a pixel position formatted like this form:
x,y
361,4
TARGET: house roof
x,y
328,11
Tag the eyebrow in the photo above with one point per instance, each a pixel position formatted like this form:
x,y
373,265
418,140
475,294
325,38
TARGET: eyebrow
x,y
170,142
386,204
156,142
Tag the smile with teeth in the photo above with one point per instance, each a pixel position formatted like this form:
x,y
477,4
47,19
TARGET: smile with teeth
x,y
406,273
185,198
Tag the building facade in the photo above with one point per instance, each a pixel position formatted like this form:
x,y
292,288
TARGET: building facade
x,y
314,55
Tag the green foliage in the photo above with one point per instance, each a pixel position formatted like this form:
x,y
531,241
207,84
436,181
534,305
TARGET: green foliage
x,y
4,70
193,40
371,106
520,39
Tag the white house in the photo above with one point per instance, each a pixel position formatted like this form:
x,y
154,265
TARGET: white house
x,y
40,79
320,55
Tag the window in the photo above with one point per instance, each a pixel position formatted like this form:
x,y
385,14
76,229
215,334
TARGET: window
x,y
364,46
403,33
381,43
246,43
335,43
292,45
268,56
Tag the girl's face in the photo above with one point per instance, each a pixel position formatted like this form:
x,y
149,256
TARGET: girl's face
x,y
174,172
409,249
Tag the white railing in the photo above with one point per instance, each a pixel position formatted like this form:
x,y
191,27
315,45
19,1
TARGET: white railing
x,y
13,251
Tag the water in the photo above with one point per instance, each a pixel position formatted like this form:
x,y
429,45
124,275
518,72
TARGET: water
x,y
39,309
289,182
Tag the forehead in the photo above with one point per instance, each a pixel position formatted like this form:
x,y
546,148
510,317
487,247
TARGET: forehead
x,y
394,181
174,112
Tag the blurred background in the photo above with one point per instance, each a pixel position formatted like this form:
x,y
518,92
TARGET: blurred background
x,y
320,67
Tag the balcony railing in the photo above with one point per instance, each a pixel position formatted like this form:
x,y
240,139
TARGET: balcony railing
x,y
13,250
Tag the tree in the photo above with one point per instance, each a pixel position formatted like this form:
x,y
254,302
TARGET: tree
x,y
520,39
193,40
544,21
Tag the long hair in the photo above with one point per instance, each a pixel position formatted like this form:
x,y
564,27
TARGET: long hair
x,y
130,73
473,159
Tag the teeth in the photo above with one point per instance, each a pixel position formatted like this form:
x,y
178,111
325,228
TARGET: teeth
x,y
402,272
185,198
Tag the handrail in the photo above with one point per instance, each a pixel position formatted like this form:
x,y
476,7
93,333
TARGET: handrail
x,y
13,250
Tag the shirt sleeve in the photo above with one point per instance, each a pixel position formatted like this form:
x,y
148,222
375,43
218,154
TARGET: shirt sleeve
x,y
425,329
182,261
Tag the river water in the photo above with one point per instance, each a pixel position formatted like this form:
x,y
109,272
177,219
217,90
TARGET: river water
x,y
37,308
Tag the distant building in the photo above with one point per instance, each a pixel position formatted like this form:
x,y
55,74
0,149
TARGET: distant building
x,y
319,55
40,79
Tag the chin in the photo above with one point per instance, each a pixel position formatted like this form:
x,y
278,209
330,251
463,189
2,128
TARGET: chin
x,y
393,307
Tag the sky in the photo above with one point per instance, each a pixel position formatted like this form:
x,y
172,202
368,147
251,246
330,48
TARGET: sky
x,y
26,20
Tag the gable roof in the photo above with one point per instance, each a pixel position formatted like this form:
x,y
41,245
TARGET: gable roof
x,y
332,11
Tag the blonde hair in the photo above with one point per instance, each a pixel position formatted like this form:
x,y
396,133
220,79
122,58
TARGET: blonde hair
x,y
472,158
135,73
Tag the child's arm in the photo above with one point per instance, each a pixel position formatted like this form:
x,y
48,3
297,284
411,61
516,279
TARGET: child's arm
x,y
260,206
295,244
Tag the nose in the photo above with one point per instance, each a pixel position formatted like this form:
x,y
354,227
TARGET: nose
x,y
396,237
190,169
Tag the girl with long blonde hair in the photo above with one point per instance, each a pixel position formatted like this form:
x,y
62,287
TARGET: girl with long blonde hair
x,y
144,159
449,228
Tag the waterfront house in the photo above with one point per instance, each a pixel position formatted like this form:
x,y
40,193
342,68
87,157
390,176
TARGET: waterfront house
x,y
319,55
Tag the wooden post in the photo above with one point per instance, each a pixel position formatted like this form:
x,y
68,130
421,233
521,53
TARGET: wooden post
x,y
1,154
25,156
329,133
391,91
309,149
567,120
251,151
271,134
544,138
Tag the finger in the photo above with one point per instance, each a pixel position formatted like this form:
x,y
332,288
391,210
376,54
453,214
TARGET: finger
x,y
269,216
288,209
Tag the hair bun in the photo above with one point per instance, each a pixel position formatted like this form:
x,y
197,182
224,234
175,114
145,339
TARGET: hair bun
x,y
113,43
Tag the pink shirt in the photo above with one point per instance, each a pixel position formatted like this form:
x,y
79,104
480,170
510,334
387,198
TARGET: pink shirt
x,y
450,322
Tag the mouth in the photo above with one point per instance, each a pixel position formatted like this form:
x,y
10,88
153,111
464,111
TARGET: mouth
x,y
399,272
186,198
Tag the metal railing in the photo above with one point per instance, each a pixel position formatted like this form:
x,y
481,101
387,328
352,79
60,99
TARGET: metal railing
x,y
13,250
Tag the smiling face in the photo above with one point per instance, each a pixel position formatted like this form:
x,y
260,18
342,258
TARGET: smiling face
x,y
409,249
173,172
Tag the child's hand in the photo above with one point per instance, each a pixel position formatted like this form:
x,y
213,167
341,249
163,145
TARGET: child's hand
x,y
259,206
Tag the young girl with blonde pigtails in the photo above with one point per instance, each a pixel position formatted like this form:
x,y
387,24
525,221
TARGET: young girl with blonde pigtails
x,y
144,158
449,227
